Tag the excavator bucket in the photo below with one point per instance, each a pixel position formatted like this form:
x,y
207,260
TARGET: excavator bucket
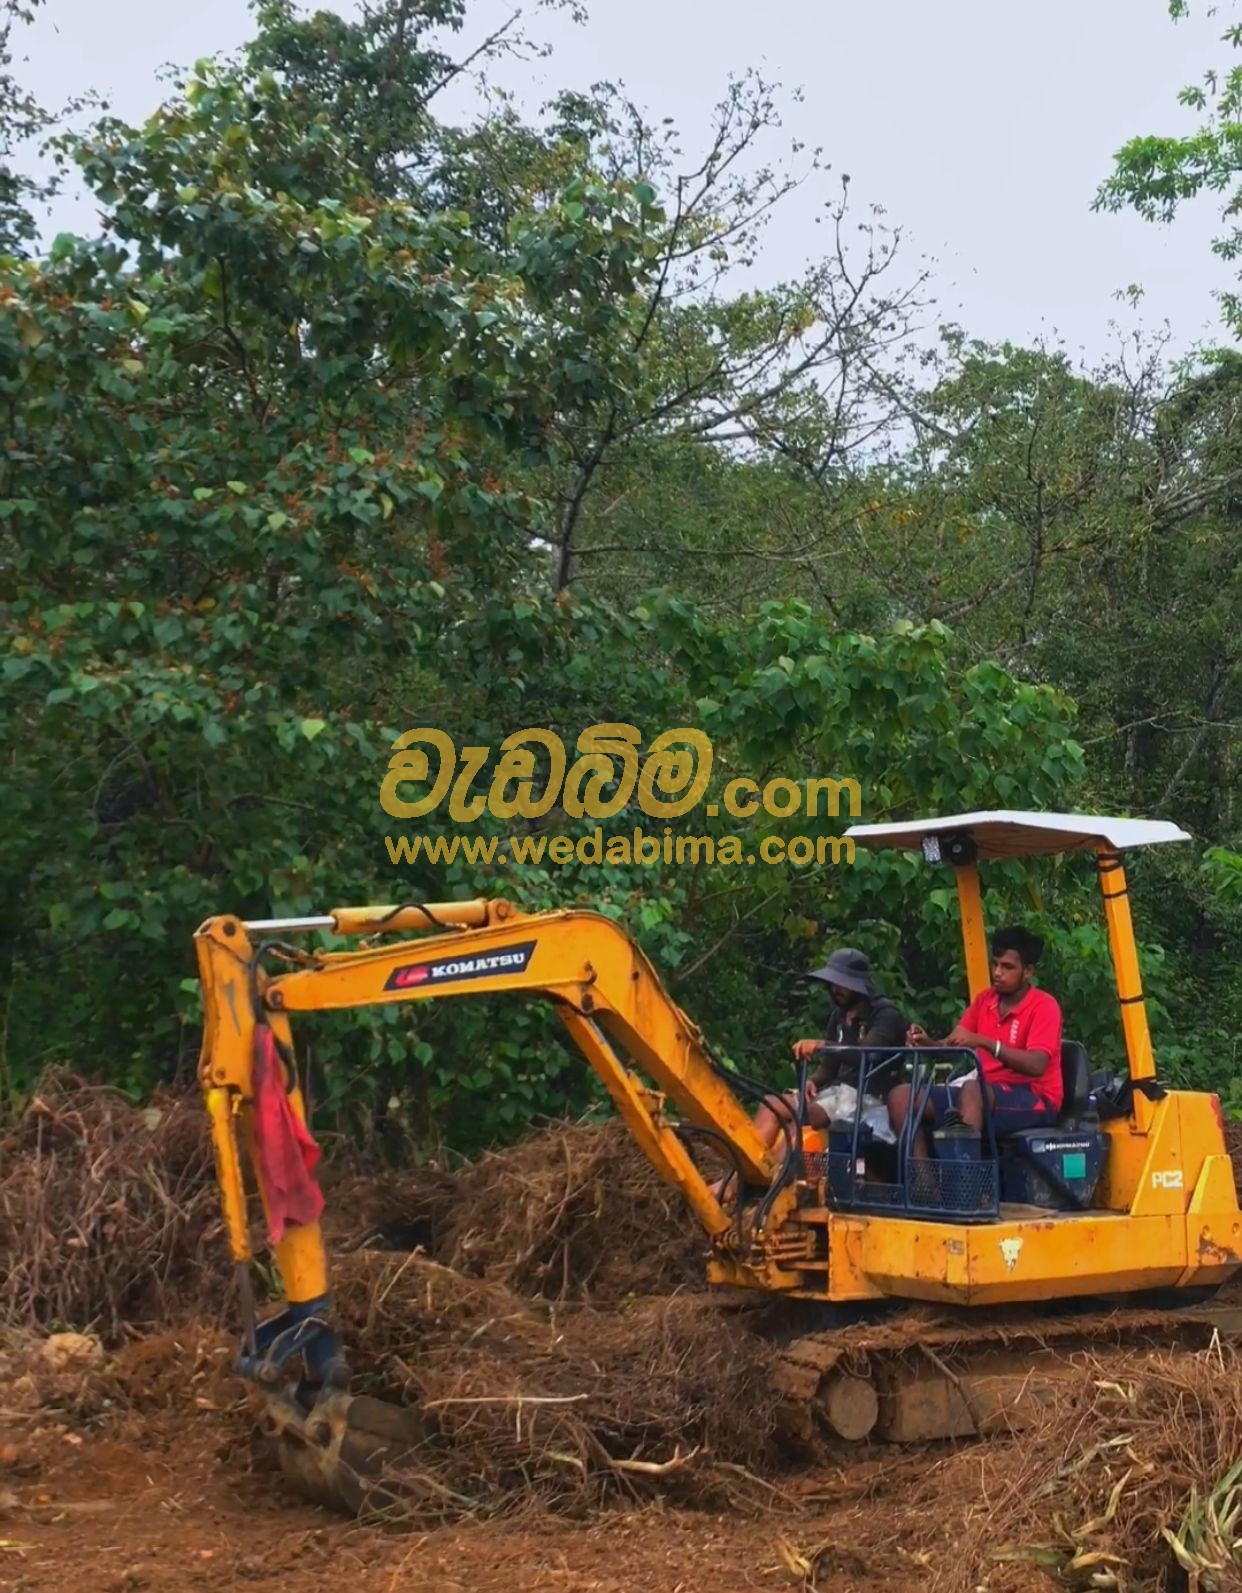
x,y
351,1452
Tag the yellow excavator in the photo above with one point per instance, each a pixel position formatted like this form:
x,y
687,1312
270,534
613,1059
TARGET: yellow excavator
x,y
1120,1220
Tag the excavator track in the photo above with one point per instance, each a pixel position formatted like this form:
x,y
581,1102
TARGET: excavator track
x,y
911,1378
918,1377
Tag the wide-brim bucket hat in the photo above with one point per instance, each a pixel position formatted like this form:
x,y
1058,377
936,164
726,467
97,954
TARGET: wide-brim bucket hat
x,y
849,969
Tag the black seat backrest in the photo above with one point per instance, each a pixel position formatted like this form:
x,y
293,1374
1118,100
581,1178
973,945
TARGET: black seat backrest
x,y
1076,1077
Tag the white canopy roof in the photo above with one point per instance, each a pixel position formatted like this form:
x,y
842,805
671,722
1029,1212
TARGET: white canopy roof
x,y
1005,833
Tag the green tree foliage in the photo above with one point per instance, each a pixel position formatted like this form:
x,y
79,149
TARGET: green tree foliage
x,y
251,478
787,368
784,692
1081,527
22,119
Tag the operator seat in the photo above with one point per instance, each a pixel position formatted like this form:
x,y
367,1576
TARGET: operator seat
x,y
1076,1087
1058,1168
1076,1079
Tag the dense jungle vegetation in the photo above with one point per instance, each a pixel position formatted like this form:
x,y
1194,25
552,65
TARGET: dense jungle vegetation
x,y
351,417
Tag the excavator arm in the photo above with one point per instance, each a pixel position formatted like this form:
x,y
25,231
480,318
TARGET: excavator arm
x,y
602,986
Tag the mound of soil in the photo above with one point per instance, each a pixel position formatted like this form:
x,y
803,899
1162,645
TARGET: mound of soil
x,y
536,1304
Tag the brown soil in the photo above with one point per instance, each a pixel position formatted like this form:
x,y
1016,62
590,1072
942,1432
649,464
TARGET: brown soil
x,y
142,1513
142,1475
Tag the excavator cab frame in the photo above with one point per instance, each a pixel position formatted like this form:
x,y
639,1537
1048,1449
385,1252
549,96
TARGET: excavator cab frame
x,y
1025,1168
964,841
944,1186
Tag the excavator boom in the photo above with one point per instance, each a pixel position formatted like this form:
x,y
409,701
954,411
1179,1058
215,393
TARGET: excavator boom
x,y
599,982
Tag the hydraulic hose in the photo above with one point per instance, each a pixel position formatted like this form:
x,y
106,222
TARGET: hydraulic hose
x,y
793,1152
688,1131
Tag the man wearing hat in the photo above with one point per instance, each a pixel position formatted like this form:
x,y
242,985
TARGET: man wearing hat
x,y
860,1016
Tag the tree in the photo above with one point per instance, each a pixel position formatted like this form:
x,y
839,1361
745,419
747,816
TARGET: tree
x,y
250,492
1087,535
1079,527
22,119
350,421
785,369
1156,174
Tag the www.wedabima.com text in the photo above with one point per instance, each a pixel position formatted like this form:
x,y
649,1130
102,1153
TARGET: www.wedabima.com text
x,y
666,849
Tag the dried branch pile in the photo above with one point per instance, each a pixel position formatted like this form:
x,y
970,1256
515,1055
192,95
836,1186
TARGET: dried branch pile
x,y
572,1213
108,1213
550,1334
549,1331
567,1403
1133,1479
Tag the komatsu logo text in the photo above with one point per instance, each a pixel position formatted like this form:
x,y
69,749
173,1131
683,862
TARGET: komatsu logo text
x,y
451,970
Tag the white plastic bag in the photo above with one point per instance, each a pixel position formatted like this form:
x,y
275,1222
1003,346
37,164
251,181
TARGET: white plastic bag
x,y
840,1102
875,1116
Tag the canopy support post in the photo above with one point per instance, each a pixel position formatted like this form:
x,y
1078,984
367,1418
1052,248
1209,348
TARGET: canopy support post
x,y
974,934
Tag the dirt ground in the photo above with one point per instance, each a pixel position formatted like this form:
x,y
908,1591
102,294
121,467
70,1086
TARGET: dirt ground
x,y
166,1503
139,1468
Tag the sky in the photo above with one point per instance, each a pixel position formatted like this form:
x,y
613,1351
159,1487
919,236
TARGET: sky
x,y
983,127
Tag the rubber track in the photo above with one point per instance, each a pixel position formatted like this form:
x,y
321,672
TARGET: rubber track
x,y
966,1343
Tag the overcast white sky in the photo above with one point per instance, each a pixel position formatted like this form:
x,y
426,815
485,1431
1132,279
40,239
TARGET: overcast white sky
x,y
982,126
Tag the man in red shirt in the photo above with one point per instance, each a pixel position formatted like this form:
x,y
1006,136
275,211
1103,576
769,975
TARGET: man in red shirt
x,y
1016,1031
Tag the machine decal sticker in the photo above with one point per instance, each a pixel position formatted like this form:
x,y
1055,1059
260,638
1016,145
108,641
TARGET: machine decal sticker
x,y
1011,1249
1167,1180
452,970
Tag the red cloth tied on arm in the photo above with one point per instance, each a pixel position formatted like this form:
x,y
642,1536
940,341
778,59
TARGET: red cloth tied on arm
x,y
284,1148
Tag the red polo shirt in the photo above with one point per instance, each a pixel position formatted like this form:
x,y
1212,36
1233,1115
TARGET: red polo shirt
x,y
1033,1025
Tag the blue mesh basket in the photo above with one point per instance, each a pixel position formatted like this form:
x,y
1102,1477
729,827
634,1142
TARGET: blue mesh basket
x,y
963,1188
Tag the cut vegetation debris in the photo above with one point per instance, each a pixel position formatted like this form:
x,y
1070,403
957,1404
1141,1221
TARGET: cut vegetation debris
x,y
1130,1481
572,1404
573,1212
109,1215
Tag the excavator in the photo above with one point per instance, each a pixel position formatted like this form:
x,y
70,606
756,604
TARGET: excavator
x,y
926,1288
